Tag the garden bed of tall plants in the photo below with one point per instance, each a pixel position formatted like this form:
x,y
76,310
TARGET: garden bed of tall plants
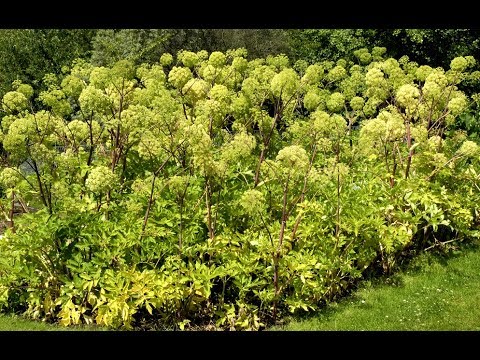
x,y
211,190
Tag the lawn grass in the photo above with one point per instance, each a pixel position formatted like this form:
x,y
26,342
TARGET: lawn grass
x,y
13,322
433,293
10,322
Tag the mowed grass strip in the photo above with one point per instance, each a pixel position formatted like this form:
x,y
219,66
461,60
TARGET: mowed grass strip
x,y
10,322
433,293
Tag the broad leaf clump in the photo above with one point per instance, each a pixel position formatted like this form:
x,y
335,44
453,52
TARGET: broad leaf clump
x,y
211,189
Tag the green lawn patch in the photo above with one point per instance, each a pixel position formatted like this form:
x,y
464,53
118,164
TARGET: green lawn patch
x,y
17,323
10,322
432,293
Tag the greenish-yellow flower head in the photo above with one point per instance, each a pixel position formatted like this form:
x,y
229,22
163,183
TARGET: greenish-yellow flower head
x,y
252,202
220,93
470,61
240,64
469,148
363,55
9,178
195,89
166,59
313,74
285,83
374,77
93,100
407,96
72,86
77,130
279,62
457,105
357,103
300,66
217,59
422,72
378,52
202,55
435,85
239,148
240,107
101,179
336,102
189,59
209,73
14,101
179,76
336,74
25,89
311,100
459,64
293,157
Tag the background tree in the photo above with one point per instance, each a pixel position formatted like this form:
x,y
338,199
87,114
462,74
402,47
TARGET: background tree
x,y
136,45
434,47
320,44
147,45
28,54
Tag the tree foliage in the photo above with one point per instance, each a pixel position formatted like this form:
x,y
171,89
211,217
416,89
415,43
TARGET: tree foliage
x,y
28,54
147,45
434,47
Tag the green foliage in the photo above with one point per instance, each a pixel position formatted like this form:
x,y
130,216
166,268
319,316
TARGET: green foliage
x,y
321,44
28,54
137,45
434,47
210,189
148,45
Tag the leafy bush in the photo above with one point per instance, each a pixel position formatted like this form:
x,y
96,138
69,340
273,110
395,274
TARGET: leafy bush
x,y
209,189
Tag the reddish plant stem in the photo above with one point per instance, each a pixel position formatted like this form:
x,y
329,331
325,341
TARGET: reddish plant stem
x,y
90,150
108,204
392,178
337,226
40,185
208,201
12,210
410,151
304,190
276,257
150,198
149,206
266,143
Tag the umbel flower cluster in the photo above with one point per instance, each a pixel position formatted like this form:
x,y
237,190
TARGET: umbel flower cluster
x,y
211,188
